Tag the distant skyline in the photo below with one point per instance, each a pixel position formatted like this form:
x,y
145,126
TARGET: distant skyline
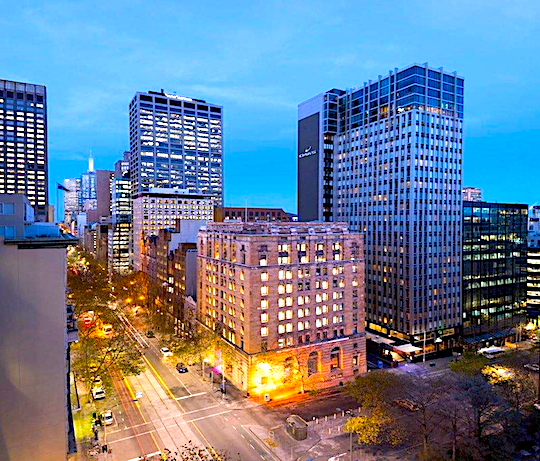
x,y
260,60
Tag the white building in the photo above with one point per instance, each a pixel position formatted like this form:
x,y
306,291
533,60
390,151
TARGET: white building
x,y
471,194
160,208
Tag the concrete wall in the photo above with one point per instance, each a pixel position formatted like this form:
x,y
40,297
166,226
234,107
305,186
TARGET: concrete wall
x,y
33,403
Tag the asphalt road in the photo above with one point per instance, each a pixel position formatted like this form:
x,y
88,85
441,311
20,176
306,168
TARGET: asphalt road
x,y
178,409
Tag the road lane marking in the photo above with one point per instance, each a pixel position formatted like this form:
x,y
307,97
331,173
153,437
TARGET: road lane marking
x,y
145,456
213,451
189,396
208,416
137,405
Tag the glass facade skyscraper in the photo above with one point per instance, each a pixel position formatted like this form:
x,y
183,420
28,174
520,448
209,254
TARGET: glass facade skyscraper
x,y
494,268
23,143
388,160
176,143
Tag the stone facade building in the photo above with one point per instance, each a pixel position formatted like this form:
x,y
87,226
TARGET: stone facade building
x,y
288,299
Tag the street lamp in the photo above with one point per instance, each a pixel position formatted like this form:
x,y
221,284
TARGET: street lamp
x,y
437,342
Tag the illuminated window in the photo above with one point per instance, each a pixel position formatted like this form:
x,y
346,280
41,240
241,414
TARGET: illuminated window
x,y
264,290
264,276
264,317
264,331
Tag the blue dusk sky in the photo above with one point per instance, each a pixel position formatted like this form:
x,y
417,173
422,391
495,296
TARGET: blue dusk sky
x,y
259,59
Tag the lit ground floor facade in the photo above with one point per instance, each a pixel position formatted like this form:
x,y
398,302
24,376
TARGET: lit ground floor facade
x,y
280,374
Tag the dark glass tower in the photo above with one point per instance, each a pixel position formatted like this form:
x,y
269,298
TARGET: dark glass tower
x,y
494,269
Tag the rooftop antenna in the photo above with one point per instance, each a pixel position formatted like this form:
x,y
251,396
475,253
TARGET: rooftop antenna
x,y
90,162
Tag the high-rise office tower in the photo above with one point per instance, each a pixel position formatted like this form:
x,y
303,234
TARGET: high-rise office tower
x,y
87,190
71,198
387,158
533,265
23,143
176,143
494,269
120,247
471,194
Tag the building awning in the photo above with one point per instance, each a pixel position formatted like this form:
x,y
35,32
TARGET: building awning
x,y
378,339
489,336
407,348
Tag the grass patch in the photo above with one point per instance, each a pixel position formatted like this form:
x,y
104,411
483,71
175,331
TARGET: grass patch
x,y
82,419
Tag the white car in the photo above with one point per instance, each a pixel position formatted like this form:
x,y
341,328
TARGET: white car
x,y
98,393
108,417
166,352
532,367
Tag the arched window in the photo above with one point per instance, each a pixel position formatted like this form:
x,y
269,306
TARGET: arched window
x,y
313,363
288,366
335,358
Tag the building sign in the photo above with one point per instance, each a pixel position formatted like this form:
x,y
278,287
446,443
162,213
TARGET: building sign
x,y
180,98
307,152
308,168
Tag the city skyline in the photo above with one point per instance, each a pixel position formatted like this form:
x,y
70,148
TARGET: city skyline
x,y
260,78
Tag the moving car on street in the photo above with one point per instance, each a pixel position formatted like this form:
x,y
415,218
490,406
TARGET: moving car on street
x,y
166,352
532,367
181,368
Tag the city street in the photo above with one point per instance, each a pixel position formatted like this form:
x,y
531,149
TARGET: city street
x,y
172,410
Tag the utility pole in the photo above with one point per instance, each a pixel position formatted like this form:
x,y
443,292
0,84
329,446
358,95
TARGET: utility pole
x,y
350,442
424,355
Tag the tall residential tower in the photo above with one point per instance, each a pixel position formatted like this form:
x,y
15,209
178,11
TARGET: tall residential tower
x,y
388,158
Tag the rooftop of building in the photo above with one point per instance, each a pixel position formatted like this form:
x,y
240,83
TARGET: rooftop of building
x,y
12,85
174,96
276,228
164,192
394,71
18,217
483,203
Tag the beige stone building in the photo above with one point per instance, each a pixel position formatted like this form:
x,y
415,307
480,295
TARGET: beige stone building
x,y
288,298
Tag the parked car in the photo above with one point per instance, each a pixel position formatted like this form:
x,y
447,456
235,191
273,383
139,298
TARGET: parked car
x,y
107,417
150,334
166,352
98,393
537,405
532,367
407,404
97,383
181,368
